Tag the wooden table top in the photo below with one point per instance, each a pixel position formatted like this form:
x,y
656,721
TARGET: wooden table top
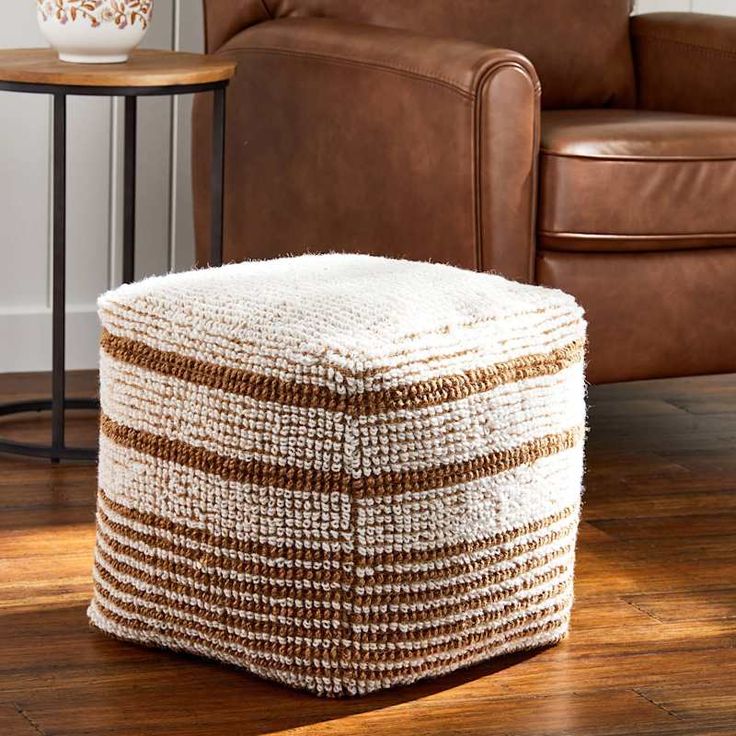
x,y
143,69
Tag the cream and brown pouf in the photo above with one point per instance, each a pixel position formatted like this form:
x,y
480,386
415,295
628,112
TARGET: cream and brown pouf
x,y
340,472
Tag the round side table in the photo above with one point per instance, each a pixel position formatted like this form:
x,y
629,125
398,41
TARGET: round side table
x,y
146,74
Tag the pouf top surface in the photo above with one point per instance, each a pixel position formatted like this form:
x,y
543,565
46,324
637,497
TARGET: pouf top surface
x,y
345,310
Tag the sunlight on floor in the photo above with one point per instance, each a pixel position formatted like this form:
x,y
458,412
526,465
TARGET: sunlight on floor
x,y
45,566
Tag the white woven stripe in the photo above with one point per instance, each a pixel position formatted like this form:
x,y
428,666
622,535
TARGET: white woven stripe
x,y
501,419
303,582
325,626
332,628
481,563
464,513
206,501
228,595
223,553
559,553
236,426
230,425
245,512
320,638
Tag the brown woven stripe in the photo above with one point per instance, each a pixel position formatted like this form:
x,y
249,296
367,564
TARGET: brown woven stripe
x,y
393,483
341,678
453,588
269,388
234,617
312,480
276,581
325,582
324,613
290,553
320,592
360,660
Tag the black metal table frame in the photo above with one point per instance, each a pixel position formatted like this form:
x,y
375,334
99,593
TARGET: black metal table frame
x,y
58,404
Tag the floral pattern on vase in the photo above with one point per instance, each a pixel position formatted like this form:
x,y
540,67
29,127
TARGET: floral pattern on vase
x,y
120,12
94,31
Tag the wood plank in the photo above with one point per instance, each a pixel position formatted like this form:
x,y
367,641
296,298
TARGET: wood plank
x,y
33,546
627,568
562,673
710,702
592,614
14,722
692,605
47,517
661,506
685,526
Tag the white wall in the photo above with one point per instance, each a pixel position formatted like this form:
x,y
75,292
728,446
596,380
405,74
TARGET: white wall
x,y
717,7
165,232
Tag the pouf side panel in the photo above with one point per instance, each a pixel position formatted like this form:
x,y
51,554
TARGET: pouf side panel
x,y
466,524
208,558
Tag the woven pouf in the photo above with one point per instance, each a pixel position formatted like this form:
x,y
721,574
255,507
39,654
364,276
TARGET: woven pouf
x,y
340,472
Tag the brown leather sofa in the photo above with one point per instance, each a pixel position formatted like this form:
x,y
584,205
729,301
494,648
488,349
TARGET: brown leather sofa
x,y
405,128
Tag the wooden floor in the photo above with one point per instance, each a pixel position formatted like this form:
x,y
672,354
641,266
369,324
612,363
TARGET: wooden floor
x,y
652,648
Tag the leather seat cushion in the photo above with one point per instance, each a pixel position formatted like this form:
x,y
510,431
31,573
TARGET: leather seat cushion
x,y
635,180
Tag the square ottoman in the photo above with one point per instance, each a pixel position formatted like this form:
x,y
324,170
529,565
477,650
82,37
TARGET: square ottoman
x,y
339,472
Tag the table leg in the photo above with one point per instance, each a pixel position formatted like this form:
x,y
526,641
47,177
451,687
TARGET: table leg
x,y
129,188
218,177
58,404
59,279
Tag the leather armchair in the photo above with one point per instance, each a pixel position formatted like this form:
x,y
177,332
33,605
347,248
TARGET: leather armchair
x,y
420,129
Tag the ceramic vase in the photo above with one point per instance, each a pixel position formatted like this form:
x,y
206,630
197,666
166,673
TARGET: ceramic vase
x,y
94,31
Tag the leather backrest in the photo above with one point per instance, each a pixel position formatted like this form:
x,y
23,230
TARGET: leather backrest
x,y
581,48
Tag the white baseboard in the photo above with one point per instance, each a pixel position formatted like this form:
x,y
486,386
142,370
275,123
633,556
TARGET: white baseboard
x,y
25,339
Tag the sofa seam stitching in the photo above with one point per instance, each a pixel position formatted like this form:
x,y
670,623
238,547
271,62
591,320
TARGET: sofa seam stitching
x,y
546,252
387,66
265,7
567,235
706,50
642,159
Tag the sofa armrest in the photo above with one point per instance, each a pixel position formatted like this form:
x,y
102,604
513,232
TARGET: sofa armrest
x,y
353,137
686,62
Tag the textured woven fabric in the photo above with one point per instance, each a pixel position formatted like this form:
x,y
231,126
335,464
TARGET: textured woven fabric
x,y
341,472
